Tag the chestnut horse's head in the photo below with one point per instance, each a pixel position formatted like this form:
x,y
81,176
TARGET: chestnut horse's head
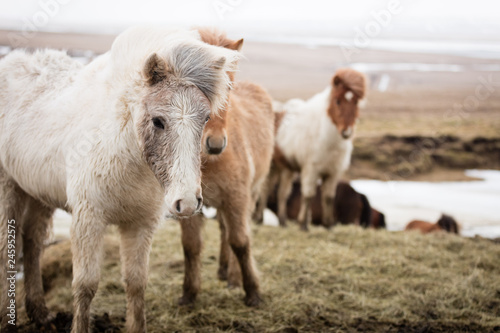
x,y
215,134
348,89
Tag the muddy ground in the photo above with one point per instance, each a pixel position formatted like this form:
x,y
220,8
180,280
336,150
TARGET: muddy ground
x,y
418,157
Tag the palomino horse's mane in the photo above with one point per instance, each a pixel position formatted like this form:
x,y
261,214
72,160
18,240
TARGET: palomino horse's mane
x,y
216,37
189,60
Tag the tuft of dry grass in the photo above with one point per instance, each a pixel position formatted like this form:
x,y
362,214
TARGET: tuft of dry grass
x,y
344,280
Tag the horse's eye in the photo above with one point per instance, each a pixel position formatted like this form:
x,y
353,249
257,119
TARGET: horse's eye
x,y
208,118
158,123
338,102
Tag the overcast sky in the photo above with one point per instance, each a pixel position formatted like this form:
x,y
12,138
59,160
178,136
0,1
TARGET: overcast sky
x,y
482,16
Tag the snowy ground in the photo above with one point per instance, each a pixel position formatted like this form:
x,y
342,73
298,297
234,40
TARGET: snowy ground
x,y
474,204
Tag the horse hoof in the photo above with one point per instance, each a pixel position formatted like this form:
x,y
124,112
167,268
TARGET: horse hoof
x,y
253,301
40,315
258,218
222,274
48,319
186,300
282,222
304,228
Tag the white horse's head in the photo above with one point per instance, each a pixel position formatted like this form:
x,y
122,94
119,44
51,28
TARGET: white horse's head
x,y
183,84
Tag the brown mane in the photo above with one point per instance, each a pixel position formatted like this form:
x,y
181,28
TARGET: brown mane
x,y
352,80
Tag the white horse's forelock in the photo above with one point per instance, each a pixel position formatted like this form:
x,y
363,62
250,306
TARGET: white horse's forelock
x,y
188,58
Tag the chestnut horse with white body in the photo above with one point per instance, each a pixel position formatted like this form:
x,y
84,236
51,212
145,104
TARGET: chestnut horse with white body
x,y
112,143
314,137
237,149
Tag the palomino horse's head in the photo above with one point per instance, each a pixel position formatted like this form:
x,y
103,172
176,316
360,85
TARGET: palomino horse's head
x,y
215,135
184,84
348,89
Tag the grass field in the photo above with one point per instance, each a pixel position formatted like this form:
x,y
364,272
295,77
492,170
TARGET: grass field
x,y
344,280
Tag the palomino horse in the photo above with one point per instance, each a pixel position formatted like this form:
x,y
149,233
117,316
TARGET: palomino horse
x,y
315,138
445,223
111,143
237,152
351,207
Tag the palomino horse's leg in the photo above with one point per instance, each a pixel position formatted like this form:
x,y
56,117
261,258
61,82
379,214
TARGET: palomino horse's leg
x,y
225,250
236,215
308,188
328,189
234,276
12,204
284,189
36,225
191,242
233,270
87,231
135,247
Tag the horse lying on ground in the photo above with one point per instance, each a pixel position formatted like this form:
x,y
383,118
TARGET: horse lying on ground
x,y
378,219
111,143
351,207
445,223
314,137
236,156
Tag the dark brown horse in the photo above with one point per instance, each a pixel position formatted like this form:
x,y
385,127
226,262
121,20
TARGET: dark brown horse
x,y
445,223
377,220
351,207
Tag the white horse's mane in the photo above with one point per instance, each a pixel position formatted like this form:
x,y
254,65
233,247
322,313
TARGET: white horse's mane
x,y
187,57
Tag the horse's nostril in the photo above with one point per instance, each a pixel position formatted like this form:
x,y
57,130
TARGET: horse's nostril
x,y
208,143
178,206
200,203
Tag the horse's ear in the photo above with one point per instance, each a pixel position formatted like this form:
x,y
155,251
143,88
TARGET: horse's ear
x,y
337,80
339,87
236,46
155,69
219,64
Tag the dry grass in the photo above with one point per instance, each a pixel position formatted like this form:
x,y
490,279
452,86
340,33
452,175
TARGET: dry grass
x,y
347,279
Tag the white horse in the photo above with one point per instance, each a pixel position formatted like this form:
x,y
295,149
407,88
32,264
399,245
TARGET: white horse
x,y
314,137
111,143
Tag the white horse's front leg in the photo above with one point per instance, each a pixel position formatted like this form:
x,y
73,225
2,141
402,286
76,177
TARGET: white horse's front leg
x,y
87,233
308,190
328,190
12,205
284,189
134,249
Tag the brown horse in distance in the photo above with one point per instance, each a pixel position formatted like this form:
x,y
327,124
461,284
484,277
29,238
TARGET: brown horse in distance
x,y
351,207
445,223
